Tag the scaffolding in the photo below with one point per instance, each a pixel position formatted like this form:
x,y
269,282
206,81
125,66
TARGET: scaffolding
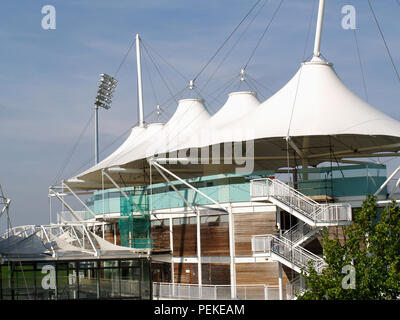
x,y
134,224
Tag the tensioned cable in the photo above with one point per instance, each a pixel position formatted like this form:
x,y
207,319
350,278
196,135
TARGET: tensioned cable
x,y
124,58
235,44
166,62
150,80
309,29
361,65
384,40
68,159
260,83
263,34
297,88
144,46
121,135
253,84
226,40
158,71
298,81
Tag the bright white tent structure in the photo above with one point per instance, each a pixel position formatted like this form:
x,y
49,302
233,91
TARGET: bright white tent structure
x,y
138,135
58,242
189,117
316,102
223,124
315,112
314,118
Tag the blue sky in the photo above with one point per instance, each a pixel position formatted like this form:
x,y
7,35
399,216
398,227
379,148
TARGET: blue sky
x,y
48,77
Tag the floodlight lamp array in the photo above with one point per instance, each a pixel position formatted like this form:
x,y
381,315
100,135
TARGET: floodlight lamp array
x,y
105,92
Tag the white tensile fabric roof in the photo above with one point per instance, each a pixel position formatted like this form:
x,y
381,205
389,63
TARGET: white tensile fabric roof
x,y
138,134
316,102
59,242
223,124
315,109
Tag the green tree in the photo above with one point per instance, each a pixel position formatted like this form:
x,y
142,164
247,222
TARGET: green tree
x,y
371,247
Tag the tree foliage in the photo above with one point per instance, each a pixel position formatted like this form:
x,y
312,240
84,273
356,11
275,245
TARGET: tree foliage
x,y
372,246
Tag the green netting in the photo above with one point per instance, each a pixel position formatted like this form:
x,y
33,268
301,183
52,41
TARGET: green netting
x,y
135,229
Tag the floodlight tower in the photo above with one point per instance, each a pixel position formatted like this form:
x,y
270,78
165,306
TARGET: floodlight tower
x,y
103,99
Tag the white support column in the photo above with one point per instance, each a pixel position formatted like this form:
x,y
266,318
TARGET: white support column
x,y
198,234
139,77
157,165
102,191
318,34
278,218
49,211
102,229
75,215
79,199
171,241
96,134
115,184
387,181
280,281
232,254
115,233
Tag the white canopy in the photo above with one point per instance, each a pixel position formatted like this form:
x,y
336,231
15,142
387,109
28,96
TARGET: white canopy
x,y
314,117
225,123
316,102
138,135
63,241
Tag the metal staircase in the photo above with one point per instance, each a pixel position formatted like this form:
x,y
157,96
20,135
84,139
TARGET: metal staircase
x,y
283,250
312,216
301,233
299,205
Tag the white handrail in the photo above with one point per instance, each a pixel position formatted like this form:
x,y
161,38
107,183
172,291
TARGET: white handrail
x,y
284,248
304,205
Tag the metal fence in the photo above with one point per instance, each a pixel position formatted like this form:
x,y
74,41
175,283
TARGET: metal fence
x,y
179,291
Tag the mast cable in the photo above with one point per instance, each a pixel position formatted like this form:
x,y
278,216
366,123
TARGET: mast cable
x,y
226,40
234,45
263,34
69,156
361,65
384,40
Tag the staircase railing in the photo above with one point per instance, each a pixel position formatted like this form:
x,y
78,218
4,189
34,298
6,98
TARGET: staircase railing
x,y
295,287
318,213
284,248
298,233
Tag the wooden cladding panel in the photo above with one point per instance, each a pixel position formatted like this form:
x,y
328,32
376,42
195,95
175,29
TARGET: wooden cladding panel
x,y
109,236
161,272
215,274
261,273
185,240
185,273
160,236
214,239
250,224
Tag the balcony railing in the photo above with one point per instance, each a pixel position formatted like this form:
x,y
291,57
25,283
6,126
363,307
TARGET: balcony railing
x,y
180,291
305,206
